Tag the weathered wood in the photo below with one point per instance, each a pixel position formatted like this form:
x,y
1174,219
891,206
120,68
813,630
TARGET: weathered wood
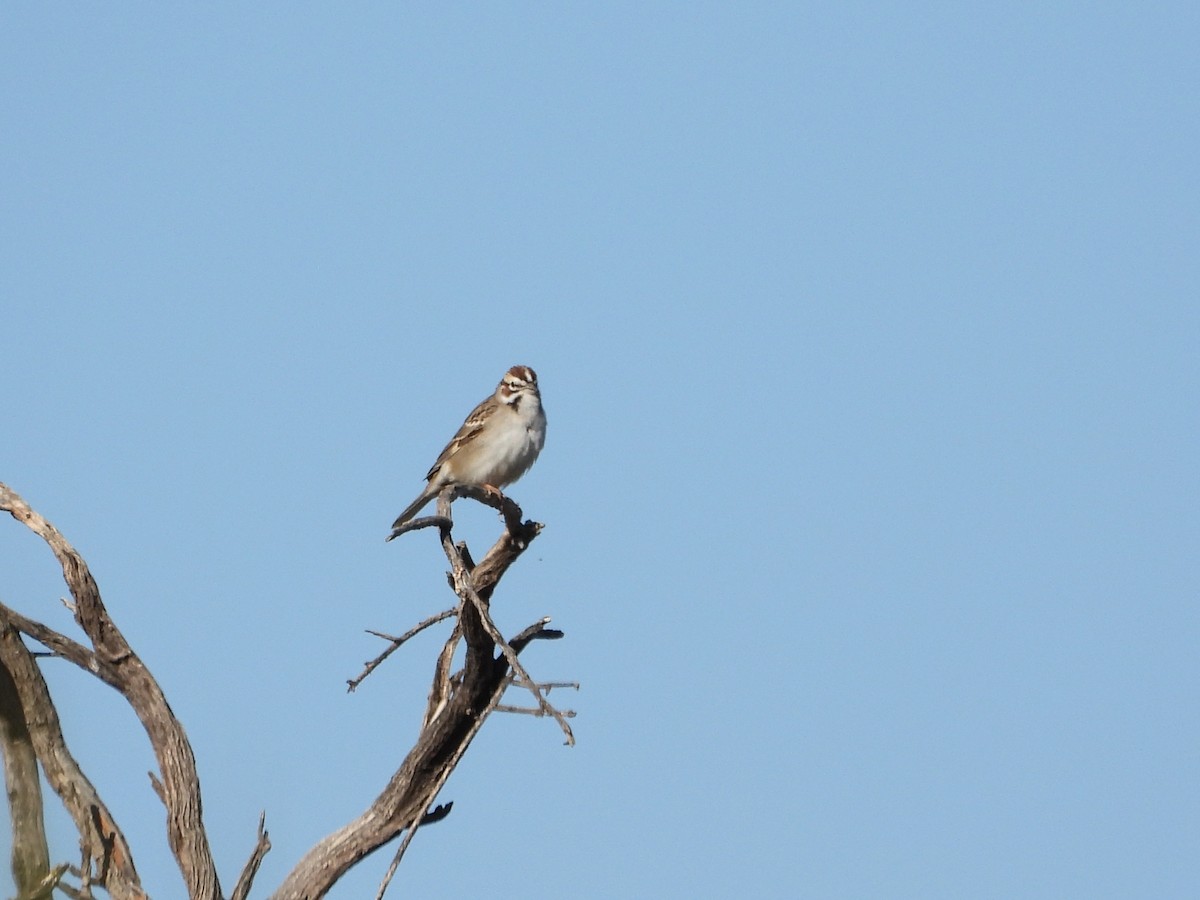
x,y
112,659
30,852
110,861
458,705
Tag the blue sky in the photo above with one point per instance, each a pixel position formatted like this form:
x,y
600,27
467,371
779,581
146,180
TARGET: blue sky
x,y
868,338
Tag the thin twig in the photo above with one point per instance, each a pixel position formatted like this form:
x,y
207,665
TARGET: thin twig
x,y
436,814
414,524
532,711
30,850
261,847
544,686
426,814
465,587
373,664
74,893
395,863
458,705
548,686
60,645
48,883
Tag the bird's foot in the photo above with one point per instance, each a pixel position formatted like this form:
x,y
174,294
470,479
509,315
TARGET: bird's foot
x,y
493,491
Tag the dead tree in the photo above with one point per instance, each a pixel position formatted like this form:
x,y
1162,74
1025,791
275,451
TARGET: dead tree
x,y
30,735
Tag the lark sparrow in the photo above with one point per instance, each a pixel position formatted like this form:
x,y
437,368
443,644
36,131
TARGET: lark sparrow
x,y
497,444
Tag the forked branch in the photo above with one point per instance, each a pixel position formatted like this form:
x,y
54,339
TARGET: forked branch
x,y
112,660
458,705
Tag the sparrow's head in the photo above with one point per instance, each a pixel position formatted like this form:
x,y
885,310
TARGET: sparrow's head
x,y
518,382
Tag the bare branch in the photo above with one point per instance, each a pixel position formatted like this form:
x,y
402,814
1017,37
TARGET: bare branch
x,y
534,632
95,824
458,706
436,814
443,683
395,864
535,711
372,665
125,671
509,511
414,524
241,890
464,586
30,851
60,645
46,885
548,686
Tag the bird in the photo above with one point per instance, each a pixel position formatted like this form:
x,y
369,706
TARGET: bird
x,y
496,444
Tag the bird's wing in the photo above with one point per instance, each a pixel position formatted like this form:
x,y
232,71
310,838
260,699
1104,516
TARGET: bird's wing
x,y
470,428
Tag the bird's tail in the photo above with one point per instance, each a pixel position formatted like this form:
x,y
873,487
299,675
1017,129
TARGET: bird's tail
x,y
413,509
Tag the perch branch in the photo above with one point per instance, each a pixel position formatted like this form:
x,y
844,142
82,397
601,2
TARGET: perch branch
x,y
458,706
414,524
545,687
508,509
